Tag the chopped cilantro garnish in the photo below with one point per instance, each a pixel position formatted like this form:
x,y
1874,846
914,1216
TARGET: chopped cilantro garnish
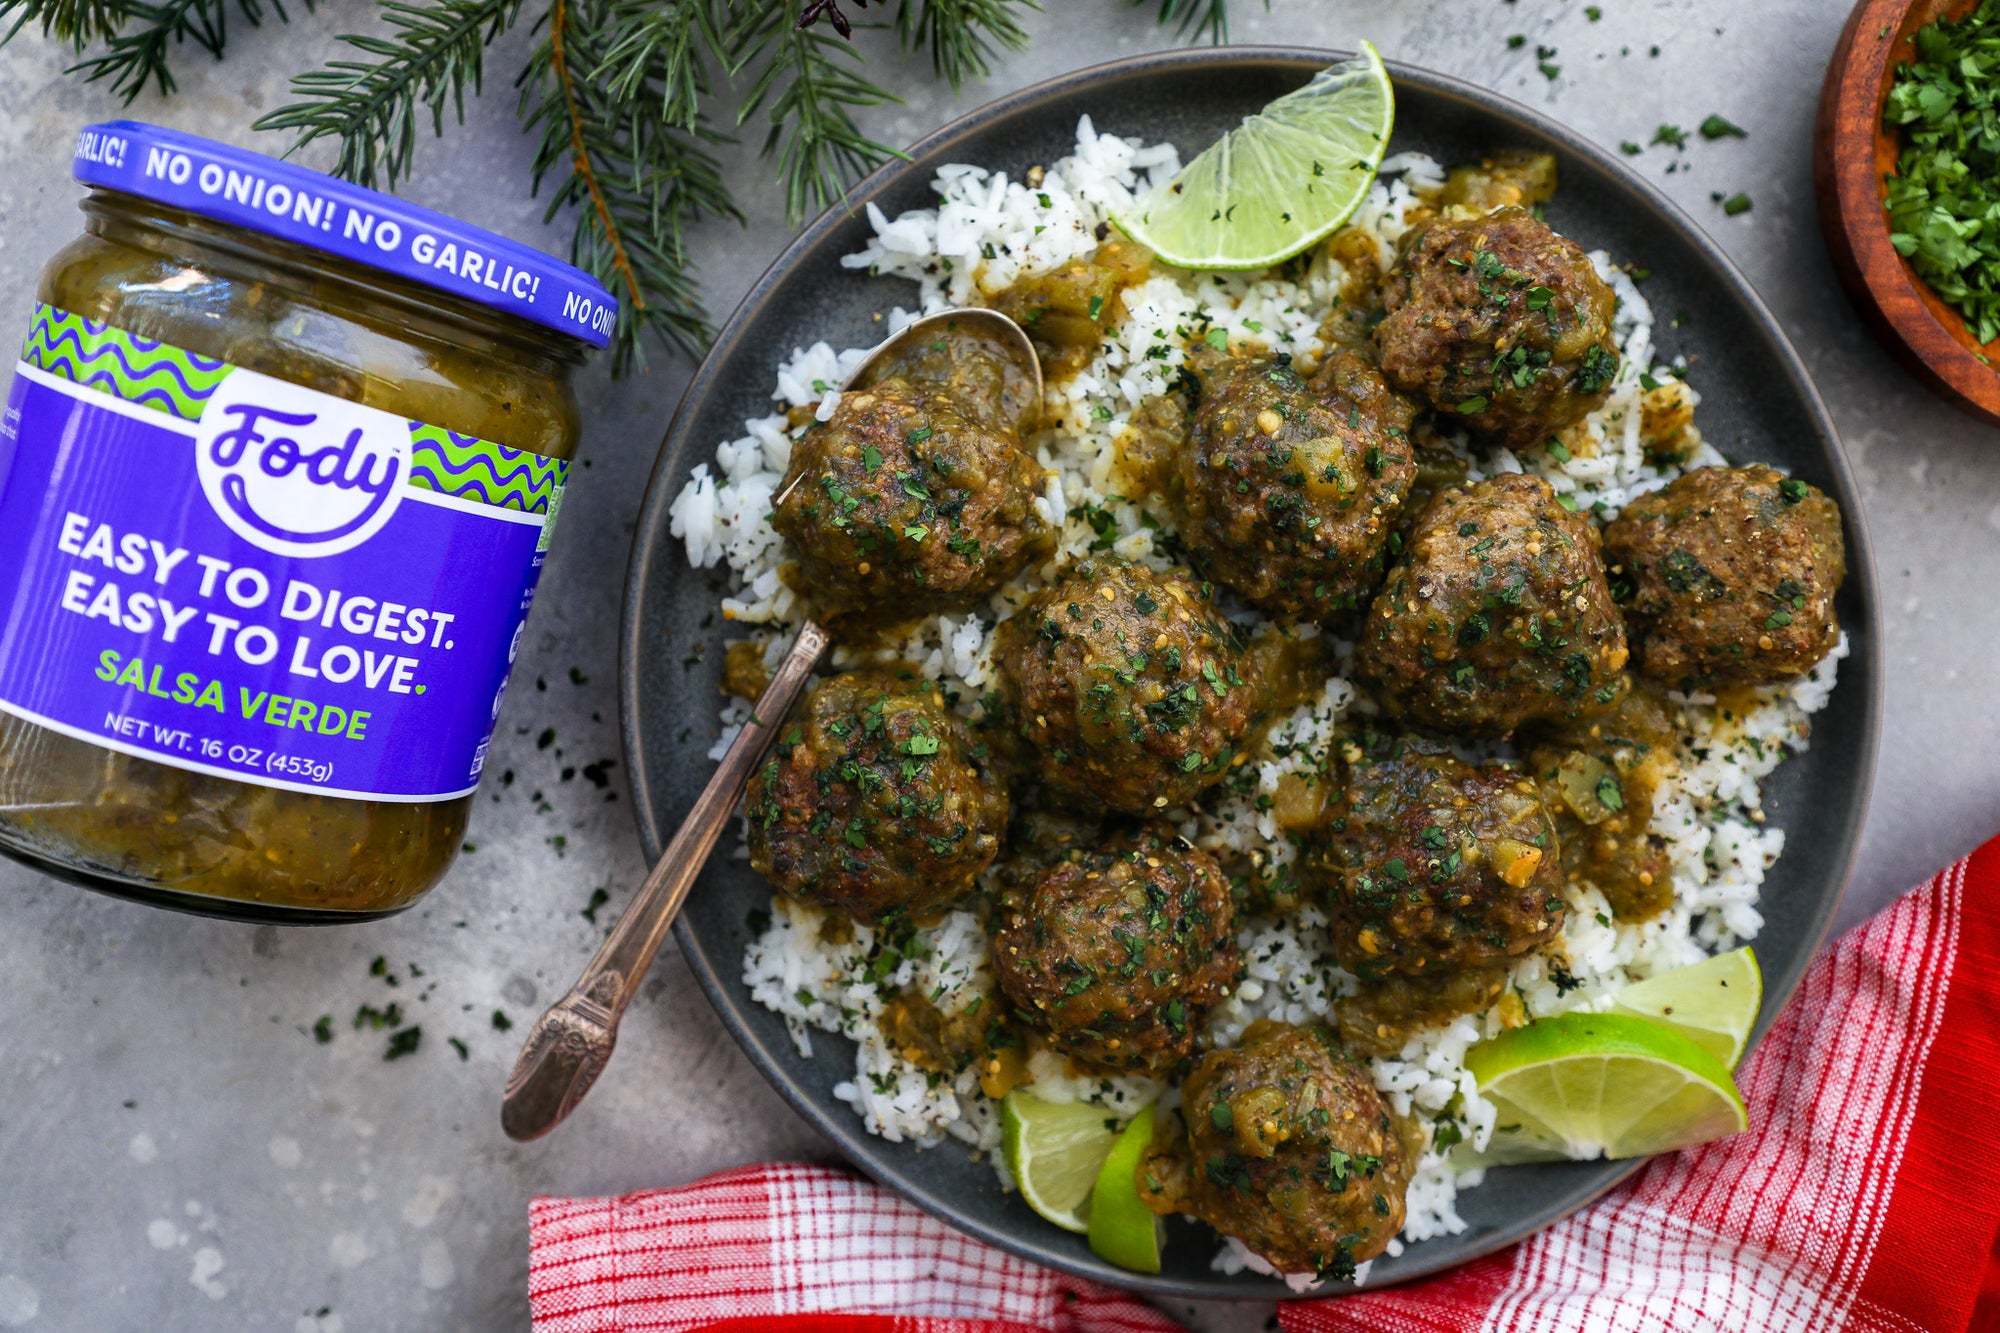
x,y
1944,198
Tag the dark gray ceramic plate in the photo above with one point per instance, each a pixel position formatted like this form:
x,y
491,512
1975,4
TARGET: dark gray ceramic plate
x,y
1757,404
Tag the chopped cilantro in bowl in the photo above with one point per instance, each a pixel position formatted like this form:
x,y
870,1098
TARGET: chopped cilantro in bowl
x,y
1944,198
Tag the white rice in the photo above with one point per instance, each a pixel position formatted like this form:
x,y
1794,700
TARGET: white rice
x,y
986,232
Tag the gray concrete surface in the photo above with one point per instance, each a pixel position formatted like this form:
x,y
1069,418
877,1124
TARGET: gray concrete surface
x,y
178,1152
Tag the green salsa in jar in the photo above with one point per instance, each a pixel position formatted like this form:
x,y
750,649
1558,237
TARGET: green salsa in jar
x,y
278,474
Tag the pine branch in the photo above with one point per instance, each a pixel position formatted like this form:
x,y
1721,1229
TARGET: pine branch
x,y
1195,19
659,53
964,36
809,97
77,22
372,106
617,106
138,37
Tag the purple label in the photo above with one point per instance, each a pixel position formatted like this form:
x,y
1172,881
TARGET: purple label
x,y
257,580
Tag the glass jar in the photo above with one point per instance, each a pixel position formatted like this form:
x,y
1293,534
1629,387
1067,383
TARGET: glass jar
x,y
277,474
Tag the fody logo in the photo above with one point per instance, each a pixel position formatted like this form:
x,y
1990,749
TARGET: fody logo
x,y
297,472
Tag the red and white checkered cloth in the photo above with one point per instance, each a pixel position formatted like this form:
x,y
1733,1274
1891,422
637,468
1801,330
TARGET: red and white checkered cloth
x,y
1865,1197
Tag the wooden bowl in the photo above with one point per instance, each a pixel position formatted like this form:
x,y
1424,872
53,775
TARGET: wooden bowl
x,y
1852,153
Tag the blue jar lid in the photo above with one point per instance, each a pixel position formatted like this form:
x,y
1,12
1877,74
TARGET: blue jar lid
x,y
364,226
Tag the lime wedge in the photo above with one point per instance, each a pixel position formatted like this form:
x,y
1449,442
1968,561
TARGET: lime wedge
x,y
1122,1228
1714,1002
1055,1150
1601,1085
1281,180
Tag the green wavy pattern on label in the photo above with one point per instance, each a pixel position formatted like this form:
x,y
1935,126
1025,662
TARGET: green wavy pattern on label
x,y
179,382
138,370
475,469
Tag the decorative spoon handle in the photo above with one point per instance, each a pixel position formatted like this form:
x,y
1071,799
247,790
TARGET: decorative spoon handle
x,y
568,1047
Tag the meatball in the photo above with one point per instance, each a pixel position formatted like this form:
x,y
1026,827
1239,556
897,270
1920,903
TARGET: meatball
x,y
1435,865
877,802
1116,951
908,500
1289,1148
1500,323
1498,614
1290,489
1732,572
1126,684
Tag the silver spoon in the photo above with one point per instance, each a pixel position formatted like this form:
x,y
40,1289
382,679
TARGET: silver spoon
x,y
570,1044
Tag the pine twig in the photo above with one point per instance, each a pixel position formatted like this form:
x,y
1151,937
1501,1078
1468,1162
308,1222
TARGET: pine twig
x,y
137,37
1196,19
580,158
809,98
371,107
964,36
77,22
614,91
660,53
